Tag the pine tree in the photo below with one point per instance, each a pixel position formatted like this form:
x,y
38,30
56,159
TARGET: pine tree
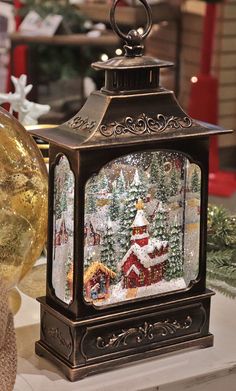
x,y
162,190
103,183
69,182
174,183
134,193
69,274
160,226
145,182
154,169
114,208
88,261
195,182
158,177
91,195
63,201
120,183
108,255
174,267
57,197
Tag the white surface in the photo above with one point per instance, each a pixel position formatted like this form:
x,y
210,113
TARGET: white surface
x,y
212,369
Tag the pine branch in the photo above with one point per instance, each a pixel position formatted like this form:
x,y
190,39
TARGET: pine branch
x,y
221,246
223,288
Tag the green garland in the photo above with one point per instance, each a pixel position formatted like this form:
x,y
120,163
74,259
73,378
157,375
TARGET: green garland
x,y
221,251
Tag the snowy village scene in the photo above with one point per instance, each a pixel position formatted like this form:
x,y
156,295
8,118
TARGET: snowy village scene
x,y
141,229
63,231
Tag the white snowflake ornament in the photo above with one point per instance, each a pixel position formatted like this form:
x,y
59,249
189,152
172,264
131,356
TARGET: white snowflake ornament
x,y
28,112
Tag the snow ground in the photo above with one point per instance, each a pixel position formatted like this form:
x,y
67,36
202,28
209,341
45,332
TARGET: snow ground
x,y
118,294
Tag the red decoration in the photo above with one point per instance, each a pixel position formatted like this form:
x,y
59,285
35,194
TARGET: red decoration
x,y
136,275
203,106
20,53
62,236
92,237
144,262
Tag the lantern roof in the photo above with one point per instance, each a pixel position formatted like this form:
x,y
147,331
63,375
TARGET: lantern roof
x,y
132,107
126,62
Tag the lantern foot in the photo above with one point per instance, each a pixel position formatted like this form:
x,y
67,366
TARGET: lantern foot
x,y
75,374
84,347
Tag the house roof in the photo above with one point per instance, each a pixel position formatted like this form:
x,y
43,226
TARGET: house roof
x,y
142,253
94,268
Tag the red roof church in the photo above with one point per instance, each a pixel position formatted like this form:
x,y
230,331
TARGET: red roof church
x,y
144,262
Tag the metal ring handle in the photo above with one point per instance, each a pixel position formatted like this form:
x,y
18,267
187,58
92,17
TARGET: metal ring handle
x,y
127,38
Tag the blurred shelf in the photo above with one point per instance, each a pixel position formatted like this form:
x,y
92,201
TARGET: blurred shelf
x,y
106,39
133,16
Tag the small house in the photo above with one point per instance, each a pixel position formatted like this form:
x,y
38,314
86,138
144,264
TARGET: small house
x,y
91,237
97,280
62,235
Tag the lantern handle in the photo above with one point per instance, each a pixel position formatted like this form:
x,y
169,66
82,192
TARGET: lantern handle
x,y
134,38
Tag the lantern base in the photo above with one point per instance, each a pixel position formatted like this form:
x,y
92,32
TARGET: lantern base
x,y
74,374
83,347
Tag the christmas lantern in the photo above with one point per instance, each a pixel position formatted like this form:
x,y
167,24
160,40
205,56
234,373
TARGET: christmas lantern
x,y
128,179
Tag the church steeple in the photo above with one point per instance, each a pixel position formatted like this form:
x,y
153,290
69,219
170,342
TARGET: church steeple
x,y
140,233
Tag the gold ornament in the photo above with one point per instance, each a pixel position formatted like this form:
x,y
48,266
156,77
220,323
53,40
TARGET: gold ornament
x,y
23,200
14,299
44,148
34,283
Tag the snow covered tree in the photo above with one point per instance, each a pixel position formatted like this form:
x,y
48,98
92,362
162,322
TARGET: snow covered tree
x,y
108,254
69,279
174,183
160,225
195,182
137,188
174,267
103,182
91,195
144,180
154,169
90,203
57,200
158,177
69,182
162,190
120,183
114,208
88,261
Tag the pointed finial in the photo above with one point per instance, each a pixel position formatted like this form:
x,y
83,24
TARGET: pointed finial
x,y
136,180
140,204
109,223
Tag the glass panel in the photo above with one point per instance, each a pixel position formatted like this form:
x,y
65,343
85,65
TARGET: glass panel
x,y
142,214
192,222
63,231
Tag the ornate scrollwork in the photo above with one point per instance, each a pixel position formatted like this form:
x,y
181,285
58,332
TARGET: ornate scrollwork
x,y
145,125
78,123
56,333
147,331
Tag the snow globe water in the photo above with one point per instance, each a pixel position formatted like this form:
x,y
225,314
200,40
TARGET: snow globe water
x,y
142,221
